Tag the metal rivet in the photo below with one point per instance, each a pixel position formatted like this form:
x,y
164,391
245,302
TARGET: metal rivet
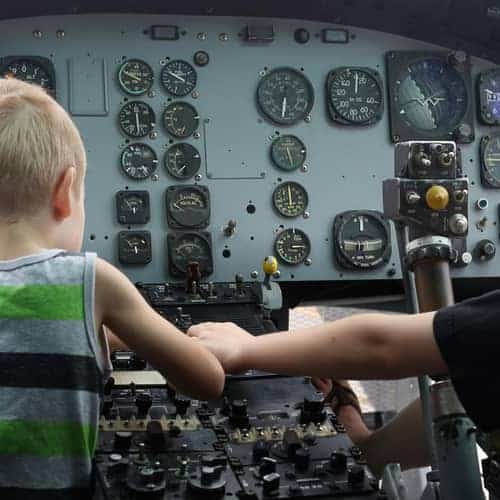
x,y
201,36
276,274
308,262
195,94
60,34
307,119
151,93
37,34
304,168
306,215
262,72
196,135
155,177
162,62
254,274
198,177
153,134
223,37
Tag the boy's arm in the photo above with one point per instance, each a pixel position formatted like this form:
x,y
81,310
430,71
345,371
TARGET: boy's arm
x,y
359,347
186,364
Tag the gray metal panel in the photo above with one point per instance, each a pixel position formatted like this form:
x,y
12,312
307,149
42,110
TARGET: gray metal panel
x,y
346,165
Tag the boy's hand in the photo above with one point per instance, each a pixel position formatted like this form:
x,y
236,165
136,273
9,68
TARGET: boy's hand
x,y
226,341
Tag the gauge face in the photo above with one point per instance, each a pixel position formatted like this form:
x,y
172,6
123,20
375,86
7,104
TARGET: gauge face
x,y
188,206
431,96
182,161
490,161
285,96
489,97
137,119
179,78
138,161
134,247
30,71
181,119
354,96
135,77
292,246
133,207
184,248
288,152
362,239
290,199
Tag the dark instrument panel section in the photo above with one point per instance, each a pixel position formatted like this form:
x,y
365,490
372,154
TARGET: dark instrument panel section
x,y
221,140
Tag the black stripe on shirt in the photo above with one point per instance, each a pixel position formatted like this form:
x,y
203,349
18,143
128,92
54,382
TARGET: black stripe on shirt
x,y
49,371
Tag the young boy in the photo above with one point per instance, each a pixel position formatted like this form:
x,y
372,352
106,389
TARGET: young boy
x,y
461,340
54,303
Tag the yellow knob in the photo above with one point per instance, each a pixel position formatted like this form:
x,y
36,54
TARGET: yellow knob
x,y
437,197
270,265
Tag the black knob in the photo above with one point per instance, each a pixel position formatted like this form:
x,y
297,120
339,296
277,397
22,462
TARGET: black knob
x,y
143,401
271,483
356,475
338,461
259,450
214,461
486,250
291,442
181,405
156,437
239,407
302,459
313,409
209,482
210,475
107,404
122,440
301,35
267,466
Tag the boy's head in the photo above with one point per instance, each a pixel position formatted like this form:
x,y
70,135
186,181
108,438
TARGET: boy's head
x,y
42,161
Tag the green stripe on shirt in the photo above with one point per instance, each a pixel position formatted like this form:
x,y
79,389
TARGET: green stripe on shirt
x,y
47,439
44,302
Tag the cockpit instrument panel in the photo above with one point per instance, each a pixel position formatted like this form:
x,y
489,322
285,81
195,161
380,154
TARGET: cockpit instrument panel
x,y
209,144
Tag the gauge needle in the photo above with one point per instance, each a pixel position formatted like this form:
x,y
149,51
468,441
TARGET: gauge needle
x,y
182,168
283,107
177,206
289,196
135,249
177,76
290,159
297,246
137,123
136,78
356,78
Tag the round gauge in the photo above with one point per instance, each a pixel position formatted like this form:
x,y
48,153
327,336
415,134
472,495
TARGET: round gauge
x,y
181,119
189,247
135,77
137,119
362,239
30,71
288,152
138,161
292,246
290,199
431,96
133,207
179,78
489,96
354,96
134,247
490,160
182,161
285,96
188,206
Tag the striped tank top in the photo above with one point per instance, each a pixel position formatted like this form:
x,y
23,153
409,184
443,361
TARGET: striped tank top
x,y
51,375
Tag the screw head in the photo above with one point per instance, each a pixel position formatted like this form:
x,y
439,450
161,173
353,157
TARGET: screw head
x,y
153,134
60,34
151,93
155,177
195,94
308,119
197,177
196,135
201,36
304,168
254,274
37,34
223,37
306,215
308,262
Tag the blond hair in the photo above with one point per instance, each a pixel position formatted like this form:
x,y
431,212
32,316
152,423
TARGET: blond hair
x,y
37,141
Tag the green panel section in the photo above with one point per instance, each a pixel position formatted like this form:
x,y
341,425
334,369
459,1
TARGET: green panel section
x,y
47,439
50,302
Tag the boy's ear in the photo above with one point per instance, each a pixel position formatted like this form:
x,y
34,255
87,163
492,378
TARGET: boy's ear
x,y
63,195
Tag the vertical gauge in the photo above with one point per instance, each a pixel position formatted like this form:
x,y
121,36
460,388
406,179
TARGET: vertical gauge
x,y
362,239
134,247
354,96
182,161
37,70
290,199
288,152
490,161
188,206
292,246
135,77
138,161
285,96
133,207
489,97
186,247
181,119
137,119
179,78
